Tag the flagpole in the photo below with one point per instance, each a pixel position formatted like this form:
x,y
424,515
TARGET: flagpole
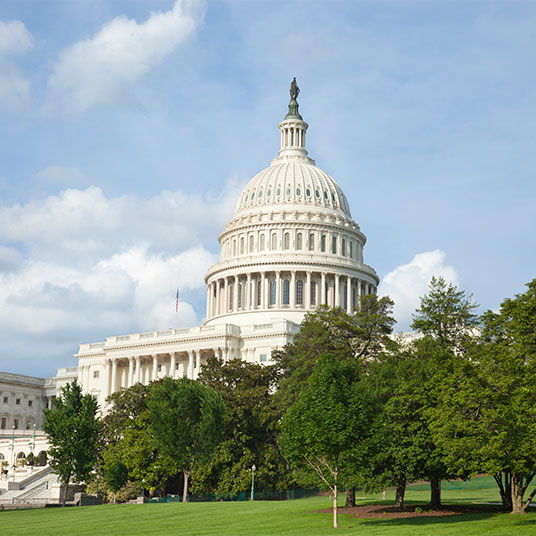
x,y
177,309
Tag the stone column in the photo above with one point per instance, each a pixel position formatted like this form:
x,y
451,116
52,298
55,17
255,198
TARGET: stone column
x,y
190,373
173,364
226,296
248,301
209,293
278,290
155,367
130,371
263,290
292,296
138,368
349,296
197,362
322,292
114,376
337,291
235,294
218,292
308,291
359,294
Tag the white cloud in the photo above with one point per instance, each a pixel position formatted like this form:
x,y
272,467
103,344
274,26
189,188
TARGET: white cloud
x,y
96,70
407,283
60,175
14,39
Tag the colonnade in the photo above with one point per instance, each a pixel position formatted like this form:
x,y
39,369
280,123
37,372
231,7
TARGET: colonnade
x,y
284,289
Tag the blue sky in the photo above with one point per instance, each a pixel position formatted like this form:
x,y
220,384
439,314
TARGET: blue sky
x,y
128,129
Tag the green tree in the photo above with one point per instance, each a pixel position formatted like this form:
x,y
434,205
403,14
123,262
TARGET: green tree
x,y
320,430
251,425
486,421
447,321
115,476
73,431
187,420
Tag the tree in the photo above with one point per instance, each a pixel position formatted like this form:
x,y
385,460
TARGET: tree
x,y
187,420
320,430
486,420
251,426
73,431
447,320
115,476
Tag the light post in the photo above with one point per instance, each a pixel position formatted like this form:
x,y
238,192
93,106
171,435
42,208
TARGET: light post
x,y
252,496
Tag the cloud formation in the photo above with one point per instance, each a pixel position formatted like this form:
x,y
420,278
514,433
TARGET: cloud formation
x,y
81,266
96,70
15,39
408,282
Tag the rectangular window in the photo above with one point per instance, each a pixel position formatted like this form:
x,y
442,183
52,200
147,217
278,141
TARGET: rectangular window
x,y
6,399
334,245
30,403
263,358
159,368
323,243
16,424
17,401
176,366
95,374
3,425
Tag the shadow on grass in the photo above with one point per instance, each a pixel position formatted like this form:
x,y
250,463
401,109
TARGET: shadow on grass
x,y
428,521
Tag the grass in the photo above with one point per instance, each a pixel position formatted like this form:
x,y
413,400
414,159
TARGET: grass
x,y
265,518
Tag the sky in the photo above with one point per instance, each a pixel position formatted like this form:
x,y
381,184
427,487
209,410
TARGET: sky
x,y
129,128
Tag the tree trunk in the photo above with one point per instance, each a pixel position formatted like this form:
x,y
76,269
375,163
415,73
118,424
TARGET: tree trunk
x,y
505,489
65,490
335,517
517,495
435,495
185,487
350,497
400,492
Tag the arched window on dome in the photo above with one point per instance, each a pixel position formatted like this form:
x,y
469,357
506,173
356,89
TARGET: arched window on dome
x,y
242,245
273,291
286,292
274,241
286,241
299,241
239,297
343,248
292,137
230,290
313,292
251,243
323,243
311,242
334,245
234,247
262,241
259,292
299,292
351,246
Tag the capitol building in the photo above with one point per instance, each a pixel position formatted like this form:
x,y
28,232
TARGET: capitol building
x,y
290,246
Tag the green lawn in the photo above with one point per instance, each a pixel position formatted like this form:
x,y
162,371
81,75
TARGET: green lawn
x,y
262,518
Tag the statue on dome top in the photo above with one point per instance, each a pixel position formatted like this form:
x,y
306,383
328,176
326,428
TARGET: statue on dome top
x,y
294,89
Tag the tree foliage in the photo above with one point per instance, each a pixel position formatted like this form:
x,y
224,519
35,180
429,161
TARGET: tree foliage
x,y
73,431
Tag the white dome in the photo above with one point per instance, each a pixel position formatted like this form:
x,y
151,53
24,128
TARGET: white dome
x,y
292,182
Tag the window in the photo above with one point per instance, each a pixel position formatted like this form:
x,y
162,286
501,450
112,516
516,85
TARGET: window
x,y
298,192
251,240
17,401
6,399
299,240
263,358
299,292
230,303
176,366
30,403
288,191
259,290
273,291
16,424
278,192
3,424
95,374
308,192
286,241
286,292
343,248
313,292
323,243
262,243
159,368
274,242
234,247
334,245
351,246
239,297
311,242
242,243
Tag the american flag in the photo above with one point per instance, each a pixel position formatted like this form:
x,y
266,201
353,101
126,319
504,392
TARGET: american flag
x,y
177,302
